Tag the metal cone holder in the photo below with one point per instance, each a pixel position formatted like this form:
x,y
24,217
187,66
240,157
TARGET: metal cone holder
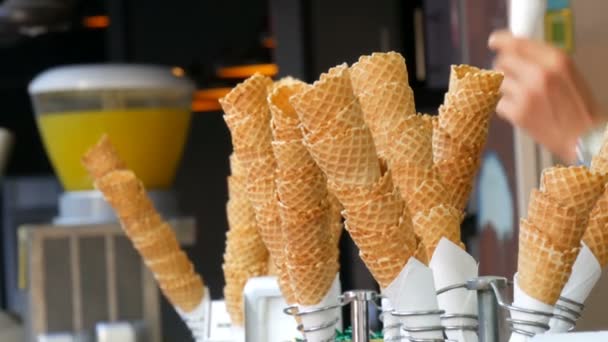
x,y
489,299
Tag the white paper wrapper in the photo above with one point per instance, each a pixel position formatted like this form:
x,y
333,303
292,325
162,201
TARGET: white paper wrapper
x,y
414,290
316,319
389,321
198,319
452,265
527,18
523,300
585,274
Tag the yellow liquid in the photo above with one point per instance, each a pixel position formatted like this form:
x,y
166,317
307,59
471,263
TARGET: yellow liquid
x,y
150,141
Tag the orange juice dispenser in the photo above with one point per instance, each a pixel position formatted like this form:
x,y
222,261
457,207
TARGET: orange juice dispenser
x,y
79,271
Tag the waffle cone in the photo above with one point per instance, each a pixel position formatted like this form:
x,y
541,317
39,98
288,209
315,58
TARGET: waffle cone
x,y
312,282
386,264
480,104
446,147
269,223
125,193
237,169
412,144
429,194
557,222
156,243
291,155
377,214
433,224
185,292
378,69
409,175
286,285
240,213
348,159
251,131
303,193
137,226
233,297
352,196
393,237
335,218
283,114
463,168
244,248
599,165
459,192
248,96
596,234
324,99
575,187
542,268
348,118
470,128
285,134
102,158
170,266
261,190
472,78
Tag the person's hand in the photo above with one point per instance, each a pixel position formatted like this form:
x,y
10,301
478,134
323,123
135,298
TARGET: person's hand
x,y
543,93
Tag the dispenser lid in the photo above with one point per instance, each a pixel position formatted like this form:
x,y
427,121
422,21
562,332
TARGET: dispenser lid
x,y
108,76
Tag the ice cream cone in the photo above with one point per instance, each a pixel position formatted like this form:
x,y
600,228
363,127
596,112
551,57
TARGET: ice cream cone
x,y
378,69
102,158
596,233
353,196
430,193
480,104
472,78
349,117
542,269
433,224
557,222
184,292
248,95
378,213
312,282
470,128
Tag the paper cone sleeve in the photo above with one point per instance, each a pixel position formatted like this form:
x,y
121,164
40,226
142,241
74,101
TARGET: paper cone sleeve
x,y
557,222
472,78
573,186
378,69
377,214
542,268
349,159
324,99
291,155
596,234
353,196
311,283
185,292
249,95
481,104
431,193
102,158
599,164
447,147
469,128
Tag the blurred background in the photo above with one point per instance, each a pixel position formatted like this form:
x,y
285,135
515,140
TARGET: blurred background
x,y
218,44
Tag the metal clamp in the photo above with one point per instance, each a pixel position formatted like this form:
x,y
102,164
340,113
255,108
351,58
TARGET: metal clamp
x,y
294,311
474,326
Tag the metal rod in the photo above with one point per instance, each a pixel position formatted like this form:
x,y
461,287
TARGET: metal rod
x,y
359,319
487,306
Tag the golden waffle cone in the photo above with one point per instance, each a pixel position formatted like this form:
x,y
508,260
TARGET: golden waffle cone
x,y
248,95
348,159
470,128
170,266
285,285
557,222
249,154
102,158
335,217
251,131
447,147
596,234
352,196
472,102
463,168
185,292
291,155
599,164
234,301
573,186
269,223
413,144
283,113
325,98
137,226
244,247
433,224
542,268
377,213
125,193
378,69
349,117
472,78
304,193
409,175
156,243
262,167
385,265
240,213
237,169
261,190
430,193
312,282
458,192
285,134
372,240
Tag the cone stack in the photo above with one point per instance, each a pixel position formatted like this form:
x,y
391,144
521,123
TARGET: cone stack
x,y
461,130
549,239
341,144
245,255
152,237
405,140
311,256
248,117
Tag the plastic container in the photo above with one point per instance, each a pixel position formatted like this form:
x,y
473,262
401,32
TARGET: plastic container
x,y
145,110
